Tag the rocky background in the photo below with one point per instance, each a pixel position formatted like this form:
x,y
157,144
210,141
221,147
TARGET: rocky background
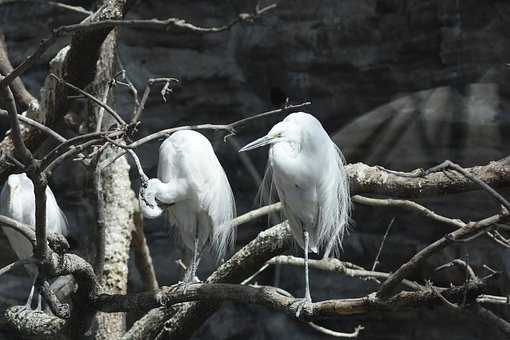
x,y
399,83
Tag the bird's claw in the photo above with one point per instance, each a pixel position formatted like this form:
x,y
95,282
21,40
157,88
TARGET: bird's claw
x,y
184,285
304,303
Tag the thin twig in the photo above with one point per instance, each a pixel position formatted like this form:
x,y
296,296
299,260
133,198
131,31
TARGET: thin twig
x,y
164,24
100,113
77,9
461,264
112,112
230,128
408,205
407,268
336,334
146,92
37,125
376,261
287,108
88,24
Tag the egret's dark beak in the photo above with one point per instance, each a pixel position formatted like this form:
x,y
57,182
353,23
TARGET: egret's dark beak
x,y
258,143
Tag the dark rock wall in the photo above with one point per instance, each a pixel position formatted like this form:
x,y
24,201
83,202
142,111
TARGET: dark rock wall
x,y
403,84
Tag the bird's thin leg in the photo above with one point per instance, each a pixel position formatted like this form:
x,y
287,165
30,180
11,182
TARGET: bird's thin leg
x,y
192,269
31,295
308,296
39,301
196,259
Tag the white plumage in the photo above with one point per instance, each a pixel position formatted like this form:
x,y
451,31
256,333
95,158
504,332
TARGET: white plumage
x,y
194,189
17,201
307,170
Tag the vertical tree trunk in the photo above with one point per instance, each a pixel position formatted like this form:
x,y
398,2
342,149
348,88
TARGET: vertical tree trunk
x,y
118,202
119,209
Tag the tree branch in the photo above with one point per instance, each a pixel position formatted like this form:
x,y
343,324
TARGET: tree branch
x,y
473,228
21,94
273,298
374,180
189,317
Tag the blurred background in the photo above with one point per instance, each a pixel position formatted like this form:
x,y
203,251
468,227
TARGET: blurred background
x,y
399,83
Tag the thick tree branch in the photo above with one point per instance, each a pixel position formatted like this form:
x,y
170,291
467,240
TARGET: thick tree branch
x,y
189,317
491,319
374,180
273,298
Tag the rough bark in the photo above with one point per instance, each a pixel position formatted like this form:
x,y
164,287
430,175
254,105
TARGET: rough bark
x,y
190,316
119,207
375,180
119,210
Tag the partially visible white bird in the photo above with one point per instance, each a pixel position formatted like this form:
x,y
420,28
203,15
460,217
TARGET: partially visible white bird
x,y
17,201
307,169
194,189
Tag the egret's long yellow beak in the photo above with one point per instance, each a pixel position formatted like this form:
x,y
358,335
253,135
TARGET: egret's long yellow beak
x,y
258,143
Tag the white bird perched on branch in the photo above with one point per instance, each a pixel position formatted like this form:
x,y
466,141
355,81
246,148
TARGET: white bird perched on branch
x,y
307,169
17,201
194,189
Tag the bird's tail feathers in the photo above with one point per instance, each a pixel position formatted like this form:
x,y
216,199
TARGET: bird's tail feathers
x,y
335,213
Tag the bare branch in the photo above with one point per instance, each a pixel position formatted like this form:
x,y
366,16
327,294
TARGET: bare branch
x,y
368,179
23,97
106,23
407,205
230,128
189,317
340,267
336,334
143,259
450,165
139,108
77,9
112,112
273,298
376,261
37,125
23,229
491,318
461,264
407,268
20,150
34,323
285,109
493,299
254,214
165,24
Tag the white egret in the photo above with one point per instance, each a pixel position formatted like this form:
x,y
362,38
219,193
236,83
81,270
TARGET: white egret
x,y
17,201
307,170
194,189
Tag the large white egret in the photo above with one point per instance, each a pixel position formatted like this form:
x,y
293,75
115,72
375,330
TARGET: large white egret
x,y
17,201
194,189
307,170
